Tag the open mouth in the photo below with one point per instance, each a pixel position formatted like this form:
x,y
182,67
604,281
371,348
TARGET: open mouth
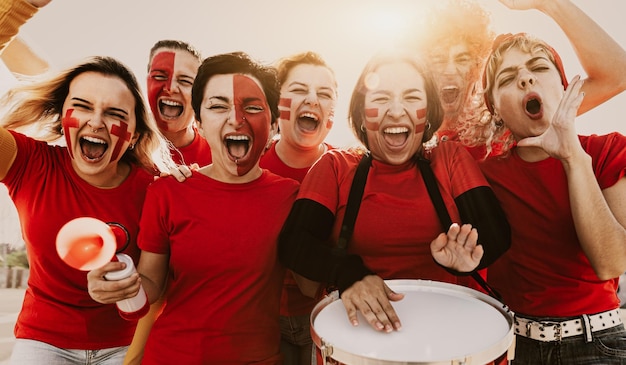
x,y
307,121
449,94
237,146
533,106
170,108
93,149
396,136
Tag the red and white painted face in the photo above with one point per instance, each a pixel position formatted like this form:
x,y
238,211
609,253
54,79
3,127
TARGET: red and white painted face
x,y
527,91
307,105
236,122
395,112
452,69
98,122
170,79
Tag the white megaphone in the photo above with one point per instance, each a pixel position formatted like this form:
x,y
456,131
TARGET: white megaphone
x,y
88,243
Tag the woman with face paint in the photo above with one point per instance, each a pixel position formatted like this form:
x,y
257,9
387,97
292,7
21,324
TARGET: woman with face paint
x,y
102,172
171,71
308,94
213,238
458,39
565,196
394,110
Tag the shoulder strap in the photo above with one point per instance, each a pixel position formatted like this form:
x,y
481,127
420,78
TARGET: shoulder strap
x,y
444,216
354,203
435,194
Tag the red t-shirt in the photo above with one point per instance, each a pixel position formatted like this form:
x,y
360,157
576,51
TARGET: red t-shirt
x,y
197,152
292,301
225,280
397,220
47,194
545,273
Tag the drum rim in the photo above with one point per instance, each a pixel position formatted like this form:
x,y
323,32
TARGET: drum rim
x,y
483,357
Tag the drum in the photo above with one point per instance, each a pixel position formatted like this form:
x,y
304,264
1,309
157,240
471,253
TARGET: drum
x,y
441,324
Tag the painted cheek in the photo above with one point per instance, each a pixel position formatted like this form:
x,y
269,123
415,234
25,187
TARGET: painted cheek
x,y
69,122
163,63
421,122
259,123
121,131
284,106
372,119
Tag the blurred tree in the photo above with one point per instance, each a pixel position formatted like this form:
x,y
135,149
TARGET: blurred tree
x,y
17,258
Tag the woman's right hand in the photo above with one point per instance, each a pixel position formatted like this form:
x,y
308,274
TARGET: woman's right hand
x,y
38,3
107,292
371,296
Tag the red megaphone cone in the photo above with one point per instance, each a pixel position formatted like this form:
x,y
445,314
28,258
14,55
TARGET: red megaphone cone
x,y
86,243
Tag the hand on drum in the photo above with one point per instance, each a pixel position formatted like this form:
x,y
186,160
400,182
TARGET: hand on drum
x,y
371,296
458,249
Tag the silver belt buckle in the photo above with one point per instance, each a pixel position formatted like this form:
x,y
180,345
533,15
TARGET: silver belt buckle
x,y
556,326
557,331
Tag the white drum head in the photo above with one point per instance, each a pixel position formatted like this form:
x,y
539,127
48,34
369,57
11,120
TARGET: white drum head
x,y
440,322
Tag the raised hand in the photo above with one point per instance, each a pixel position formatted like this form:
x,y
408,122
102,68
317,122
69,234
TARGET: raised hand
x,y
38,3
560,139
458,249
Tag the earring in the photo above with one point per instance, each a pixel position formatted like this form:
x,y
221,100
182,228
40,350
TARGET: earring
x,y
131,147
427,125
362,128
499,123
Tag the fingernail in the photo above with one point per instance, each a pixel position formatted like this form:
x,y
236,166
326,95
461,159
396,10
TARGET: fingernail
x,y
379,326
398,326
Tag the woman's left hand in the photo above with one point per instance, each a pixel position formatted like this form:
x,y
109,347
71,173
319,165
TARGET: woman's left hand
x,y
458,249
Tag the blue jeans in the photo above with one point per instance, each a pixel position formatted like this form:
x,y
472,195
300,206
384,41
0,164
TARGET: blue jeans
x,y
31,352
608,347
295,340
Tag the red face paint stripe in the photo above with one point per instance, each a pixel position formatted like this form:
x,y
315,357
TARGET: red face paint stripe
x,y
124,136
420,128
256,124
162,63
421,113
371,112
68,122
284,102
285,114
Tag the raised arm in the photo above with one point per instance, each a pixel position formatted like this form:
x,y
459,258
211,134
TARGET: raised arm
x,y
602,58
13,14
599,214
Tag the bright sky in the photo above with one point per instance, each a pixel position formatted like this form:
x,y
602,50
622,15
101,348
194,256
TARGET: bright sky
x,y
345,32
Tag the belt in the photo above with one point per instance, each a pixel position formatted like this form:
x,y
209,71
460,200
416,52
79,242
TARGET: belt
x,y
547,331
